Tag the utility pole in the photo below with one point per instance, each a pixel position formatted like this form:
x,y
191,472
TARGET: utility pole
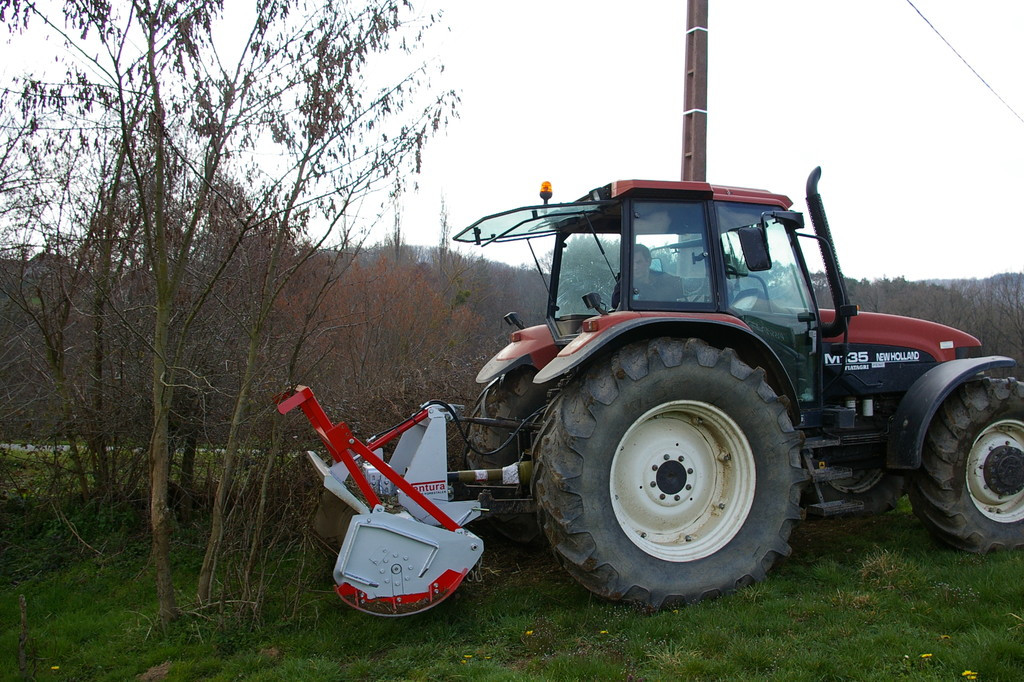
x,y
695,92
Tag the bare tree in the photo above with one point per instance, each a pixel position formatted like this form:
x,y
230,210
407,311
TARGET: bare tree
x,y
187,124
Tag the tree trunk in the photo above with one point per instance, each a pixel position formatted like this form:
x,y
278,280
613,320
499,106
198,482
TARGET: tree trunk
x,y
160,469
188,473
213,544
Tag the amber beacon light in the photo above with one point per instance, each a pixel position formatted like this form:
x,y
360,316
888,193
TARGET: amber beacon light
x,y
545,191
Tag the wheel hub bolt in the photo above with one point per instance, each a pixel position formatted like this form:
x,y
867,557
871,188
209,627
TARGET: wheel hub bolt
x,y
721,505
689,487
689,471
670,478
689,538
666,457
661,496
677,498
1003,470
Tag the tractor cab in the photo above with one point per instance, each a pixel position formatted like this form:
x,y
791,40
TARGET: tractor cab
x,y
670,253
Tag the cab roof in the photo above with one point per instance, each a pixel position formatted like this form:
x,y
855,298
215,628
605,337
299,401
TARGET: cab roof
x,y
689,189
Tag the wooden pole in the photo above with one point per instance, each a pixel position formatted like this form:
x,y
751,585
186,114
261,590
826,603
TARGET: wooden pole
x,y
695,93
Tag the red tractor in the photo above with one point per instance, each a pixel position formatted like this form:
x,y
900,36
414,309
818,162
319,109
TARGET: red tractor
x,y
685,404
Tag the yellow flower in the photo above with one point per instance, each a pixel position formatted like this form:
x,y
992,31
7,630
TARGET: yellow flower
x,y
945,637
969,674
926,655
529,632
604,632
467,655
54,667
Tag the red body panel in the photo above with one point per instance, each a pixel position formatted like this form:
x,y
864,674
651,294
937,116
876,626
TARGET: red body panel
x,y
717,192
537,344
938,340
533,342
596,326
933,338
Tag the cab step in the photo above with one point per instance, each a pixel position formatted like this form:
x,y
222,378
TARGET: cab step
x,y
830,474
835,508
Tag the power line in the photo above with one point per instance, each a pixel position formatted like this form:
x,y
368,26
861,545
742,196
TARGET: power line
x,y
966,63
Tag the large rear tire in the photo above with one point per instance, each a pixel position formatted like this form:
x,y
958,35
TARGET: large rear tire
x,y
969,492
510,396
668,472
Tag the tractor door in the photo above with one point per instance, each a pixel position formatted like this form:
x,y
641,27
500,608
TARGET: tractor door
x,y
671,263
766,287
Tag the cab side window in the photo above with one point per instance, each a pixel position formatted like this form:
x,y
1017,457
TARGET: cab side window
x,y
671,264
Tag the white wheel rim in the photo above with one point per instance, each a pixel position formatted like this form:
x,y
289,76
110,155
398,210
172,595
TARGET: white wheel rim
x,y
1007,508
703,475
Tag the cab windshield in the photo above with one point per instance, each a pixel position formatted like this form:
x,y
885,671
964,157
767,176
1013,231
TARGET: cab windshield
x,y
531,222
589,263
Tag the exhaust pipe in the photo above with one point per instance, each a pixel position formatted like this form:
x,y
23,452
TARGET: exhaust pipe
x,y
833,274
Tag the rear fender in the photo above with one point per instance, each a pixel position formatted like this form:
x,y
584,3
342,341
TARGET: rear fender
x,y
532,346
607,333
920,403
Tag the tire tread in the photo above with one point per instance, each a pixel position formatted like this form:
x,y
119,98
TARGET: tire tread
x,y
938,490
571,418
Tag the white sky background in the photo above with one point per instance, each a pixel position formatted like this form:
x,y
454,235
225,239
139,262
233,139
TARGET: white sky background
x,y
922,164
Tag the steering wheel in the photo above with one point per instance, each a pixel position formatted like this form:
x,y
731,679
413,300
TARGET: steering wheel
x,y
753,298
748,299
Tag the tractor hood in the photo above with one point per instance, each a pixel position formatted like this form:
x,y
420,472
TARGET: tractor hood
x,y
937,340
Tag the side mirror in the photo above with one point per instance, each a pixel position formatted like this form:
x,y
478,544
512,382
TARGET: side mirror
x,y
754,244
593,301
513,320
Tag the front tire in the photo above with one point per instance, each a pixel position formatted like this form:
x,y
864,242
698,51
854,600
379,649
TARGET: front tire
x,y
668,472
969,492
511,396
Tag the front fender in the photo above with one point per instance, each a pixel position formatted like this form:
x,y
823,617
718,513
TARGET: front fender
x,y
609,332
920,403
531,346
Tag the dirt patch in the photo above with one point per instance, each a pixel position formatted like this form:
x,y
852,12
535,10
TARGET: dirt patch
x,y
506,562
157,672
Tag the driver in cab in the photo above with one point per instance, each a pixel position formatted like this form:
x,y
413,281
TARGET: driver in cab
x,y
652,285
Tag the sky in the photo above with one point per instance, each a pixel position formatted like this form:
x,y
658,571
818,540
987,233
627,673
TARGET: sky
x,y
919,158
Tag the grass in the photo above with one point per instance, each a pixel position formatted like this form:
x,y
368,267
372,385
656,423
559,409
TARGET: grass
x,y
859,599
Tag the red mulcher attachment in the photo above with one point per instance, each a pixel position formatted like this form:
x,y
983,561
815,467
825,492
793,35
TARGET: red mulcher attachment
x,y
395,564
